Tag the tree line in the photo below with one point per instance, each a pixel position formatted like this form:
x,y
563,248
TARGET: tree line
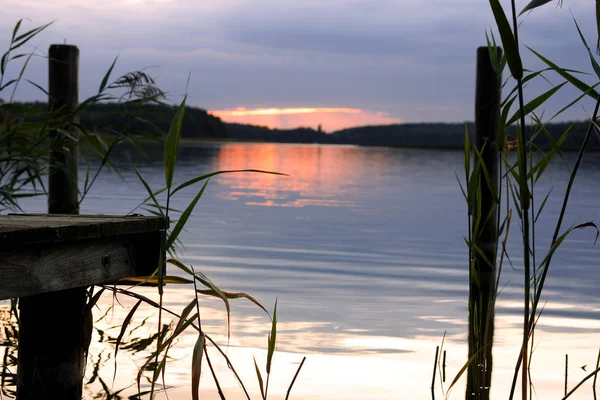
x,y
155,119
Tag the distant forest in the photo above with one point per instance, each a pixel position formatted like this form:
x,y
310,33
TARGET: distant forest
x,y
198,123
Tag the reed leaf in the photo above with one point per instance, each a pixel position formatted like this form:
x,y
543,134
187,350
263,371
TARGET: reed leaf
x,y
513,58
562,72
146,186
231,296
260,380
533,4
462,371
593,61
38,87
467,155
107,76
535,103
530,77
586,93
200,277
124,326
153,280
556,244
272,339
598,26
183,218
461,186
197,365
206,176
287,396
27,36
541,207
15,31
172,143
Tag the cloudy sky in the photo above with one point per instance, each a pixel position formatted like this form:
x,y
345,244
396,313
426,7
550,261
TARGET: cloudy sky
x,y
286,63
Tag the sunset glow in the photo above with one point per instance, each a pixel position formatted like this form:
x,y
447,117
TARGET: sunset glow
x,y
241,111
329,118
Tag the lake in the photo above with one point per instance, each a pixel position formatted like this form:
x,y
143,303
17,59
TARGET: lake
x,y
363,250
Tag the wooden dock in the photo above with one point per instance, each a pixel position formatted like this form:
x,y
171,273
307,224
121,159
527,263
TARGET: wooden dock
x,y
48,262
51,252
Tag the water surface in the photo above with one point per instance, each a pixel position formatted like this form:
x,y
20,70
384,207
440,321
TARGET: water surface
x,y
363,249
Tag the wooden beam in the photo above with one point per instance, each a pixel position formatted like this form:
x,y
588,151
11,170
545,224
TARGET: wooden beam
x,y
48,253
60,266
27,229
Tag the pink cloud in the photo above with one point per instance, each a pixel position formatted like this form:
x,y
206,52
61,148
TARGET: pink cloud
x,y
331,119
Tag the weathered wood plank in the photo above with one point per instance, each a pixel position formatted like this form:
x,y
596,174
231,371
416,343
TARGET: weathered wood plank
x,y
58,266
25,229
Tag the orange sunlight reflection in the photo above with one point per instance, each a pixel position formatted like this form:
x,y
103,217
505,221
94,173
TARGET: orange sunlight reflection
x,y
330,118
309,170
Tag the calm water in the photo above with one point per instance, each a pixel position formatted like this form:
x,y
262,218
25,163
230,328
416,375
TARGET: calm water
x,y
363,249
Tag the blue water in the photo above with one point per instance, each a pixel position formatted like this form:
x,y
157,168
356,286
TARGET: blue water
x,y
361,243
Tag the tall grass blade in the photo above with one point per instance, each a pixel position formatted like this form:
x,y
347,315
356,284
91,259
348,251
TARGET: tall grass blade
x,y
541,207
124,326
107,76
200,277
513,58
595,65
461,186
260,380
462,371
27,36
535,103
16,30
590,375
500,136
586,93
172,143
197,365
272,339
287,396
562,72
231,296
153,280
150,193
598,26
183,218
533,4
38,86
206,176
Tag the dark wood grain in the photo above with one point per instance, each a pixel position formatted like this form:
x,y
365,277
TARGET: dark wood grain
x,y
51,267
26,229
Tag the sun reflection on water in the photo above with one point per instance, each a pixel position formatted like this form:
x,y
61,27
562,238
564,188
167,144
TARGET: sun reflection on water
x,y
311,169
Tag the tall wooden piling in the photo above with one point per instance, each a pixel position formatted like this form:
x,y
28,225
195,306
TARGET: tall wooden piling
x,y
482,286
51,335
63,87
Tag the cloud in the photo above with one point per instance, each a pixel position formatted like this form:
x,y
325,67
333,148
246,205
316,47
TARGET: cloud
x,y
329,119
413,59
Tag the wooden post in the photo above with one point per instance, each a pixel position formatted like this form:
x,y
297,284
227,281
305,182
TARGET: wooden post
x,y
482,289
51,335
63,74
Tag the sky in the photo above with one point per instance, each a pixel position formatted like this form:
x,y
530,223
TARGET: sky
x,y
288,63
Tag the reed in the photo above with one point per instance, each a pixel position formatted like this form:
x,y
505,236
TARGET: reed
x,y
521,173
24,138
